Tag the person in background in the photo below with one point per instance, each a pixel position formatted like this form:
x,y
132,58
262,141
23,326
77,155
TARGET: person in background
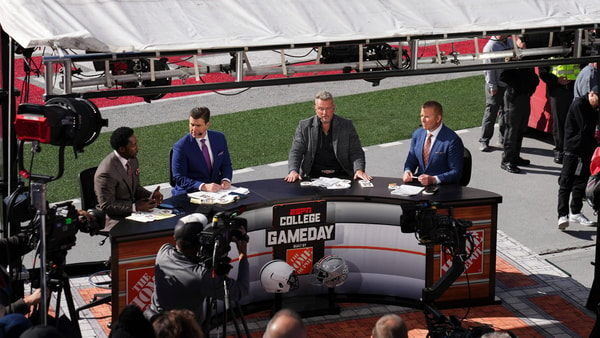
x,y
586,79
390,326
177,324
436,151
184,277
131,324
17,245
494,93
560,84
201,158
326,145
579,146
117,180
520,85
286,323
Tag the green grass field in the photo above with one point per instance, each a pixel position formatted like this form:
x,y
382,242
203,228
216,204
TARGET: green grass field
x,y
261,136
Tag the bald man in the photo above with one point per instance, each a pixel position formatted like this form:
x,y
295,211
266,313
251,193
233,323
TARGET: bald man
x,y
390,326
285,323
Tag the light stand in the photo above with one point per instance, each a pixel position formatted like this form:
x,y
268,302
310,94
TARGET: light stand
x,y
38,200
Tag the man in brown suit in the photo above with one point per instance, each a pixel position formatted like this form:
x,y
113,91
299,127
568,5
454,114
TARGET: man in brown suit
x,y
117,180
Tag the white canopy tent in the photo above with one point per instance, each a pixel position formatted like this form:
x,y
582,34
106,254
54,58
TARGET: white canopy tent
x,y
118,26
117,30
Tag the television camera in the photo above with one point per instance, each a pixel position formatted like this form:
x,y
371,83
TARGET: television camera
x,y
216,237
451,234
62,224
431,227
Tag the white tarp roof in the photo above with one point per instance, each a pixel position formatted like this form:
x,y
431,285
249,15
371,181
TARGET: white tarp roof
x,y
172,25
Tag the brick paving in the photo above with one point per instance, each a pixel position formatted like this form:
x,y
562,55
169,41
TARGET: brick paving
x,y
536,299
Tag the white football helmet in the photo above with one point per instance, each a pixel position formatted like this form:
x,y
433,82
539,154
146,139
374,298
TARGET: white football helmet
x,y
277,276
331,271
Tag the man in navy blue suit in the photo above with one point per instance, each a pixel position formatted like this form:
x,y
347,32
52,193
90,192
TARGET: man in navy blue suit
x,y
194,169
444,163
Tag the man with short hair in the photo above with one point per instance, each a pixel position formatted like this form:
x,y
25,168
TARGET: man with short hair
x,y
286,323
390,326
117,180
201,158
326,145
436,154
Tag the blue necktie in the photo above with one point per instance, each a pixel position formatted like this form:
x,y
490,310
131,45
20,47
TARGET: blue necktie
x,y
206,156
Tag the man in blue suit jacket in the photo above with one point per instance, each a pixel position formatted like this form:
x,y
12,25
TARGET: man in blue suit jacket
x,y
190,169
445,160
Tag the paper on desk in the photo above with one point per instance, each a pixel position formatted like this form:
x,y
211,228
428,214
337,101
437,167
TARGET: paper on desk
x,y
220,197
331,183
212,198
150,216
407,190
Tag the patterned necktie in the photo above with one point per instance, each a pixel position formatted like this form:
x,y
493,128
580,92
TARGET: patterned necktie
x,y
129,173
426,149
206,156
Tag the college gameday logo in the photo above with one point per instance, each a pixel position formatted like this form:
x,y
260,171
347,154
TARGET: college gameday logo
x,y
299,233
474,265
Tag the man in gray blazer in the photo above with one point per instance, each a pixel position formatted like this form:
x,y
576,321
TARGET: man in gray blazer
x,y
117,180
326,145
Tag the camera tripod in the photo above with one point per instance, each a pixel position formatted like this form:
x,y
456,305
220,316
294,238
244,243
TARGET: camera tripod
x,y
234,313
220,267
58,281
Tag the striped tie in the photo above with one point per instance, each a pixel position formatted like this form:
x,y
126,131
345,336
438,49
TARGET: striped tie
x,y
426,149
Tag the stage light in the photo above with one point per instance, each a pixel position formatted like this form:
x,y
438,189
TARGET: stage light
x,y
61,121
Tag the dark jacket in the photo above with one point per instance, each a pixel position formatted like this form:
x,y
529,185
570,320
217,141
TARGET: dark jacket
x,y
521,81
580,127
17,245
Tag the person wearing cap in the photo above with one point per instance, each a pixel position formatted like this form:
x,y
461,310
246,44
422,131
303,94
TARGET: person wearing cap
x,y
182,278
579,146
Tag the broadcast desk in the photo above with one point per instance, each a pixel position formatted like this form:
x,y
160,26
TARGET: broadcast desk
x,y
385,264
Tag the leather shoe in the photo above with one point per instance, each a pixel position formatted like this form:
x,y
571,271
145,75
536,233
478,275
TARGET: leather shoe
x,y
558,158
523,162
511,168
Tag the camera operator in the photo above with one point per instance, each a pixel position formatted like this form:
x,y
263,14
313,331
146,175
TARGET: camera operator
x,y
20,245
183,279
15,245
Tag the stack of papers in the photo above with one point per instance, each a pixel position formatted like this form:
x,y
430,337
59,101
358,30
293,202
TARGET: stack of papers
x,y
407,190
220,197
329,183
150,216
